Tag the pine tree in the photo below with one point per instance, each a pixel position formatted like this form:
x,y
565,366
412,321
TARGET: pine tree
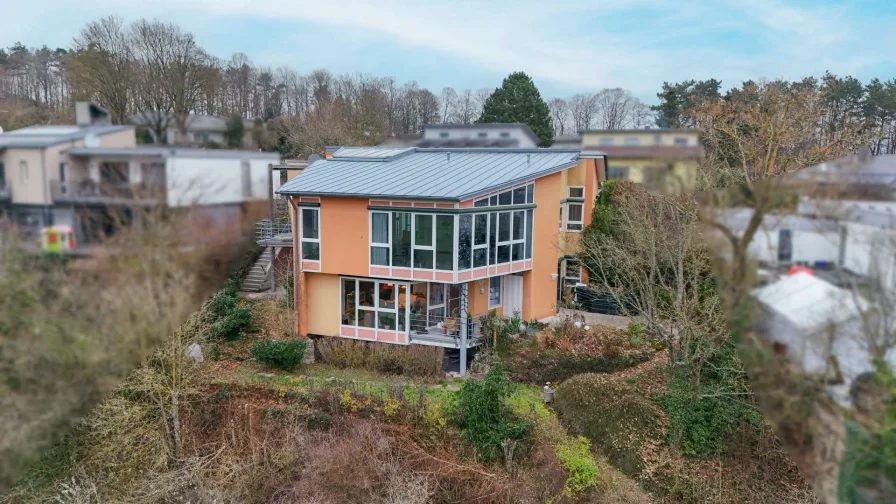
x,y
518,100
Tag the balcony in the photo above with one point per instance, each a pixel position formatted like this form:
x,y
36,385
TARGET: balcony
x,y
107,193
444,332
274,233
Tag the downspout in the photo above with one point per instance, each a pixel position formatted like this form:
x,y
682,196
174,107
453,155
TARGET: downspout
x,y
298,285
271,187
43,175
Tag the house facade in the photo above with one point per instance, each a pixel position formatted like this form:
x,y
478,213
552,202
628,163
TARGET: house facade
x,y
199,129
665,160
477,135
91,176
411,245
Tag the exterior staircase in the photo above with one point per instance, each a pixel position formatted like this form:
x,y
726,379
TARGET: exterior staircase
x,y
259,277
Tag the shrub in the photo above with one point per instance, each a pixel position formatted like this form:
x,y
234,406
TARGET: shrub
x,y
701,421
575,457
285,355
411,360
566,351
484,418
231,318
613,416
319,421
635,334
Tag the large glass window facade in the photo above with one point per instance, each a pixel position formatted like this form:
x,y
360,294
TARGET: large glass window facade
x,y
455,242
374,304
310,222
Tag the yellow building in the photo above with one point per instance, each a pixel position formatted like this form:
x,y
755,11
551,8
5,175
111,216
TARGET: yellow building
x,y
662,159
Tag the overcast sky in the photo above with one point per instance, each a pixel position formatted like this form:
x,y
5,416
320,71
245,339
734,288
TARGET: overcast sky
x,y
566,46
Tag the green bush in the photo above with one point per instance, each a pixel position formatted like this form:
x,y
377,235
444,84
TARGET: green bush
x,y
575,457
701,421
410,360
230,318
635,334
285,355
319,421
612,415
484,418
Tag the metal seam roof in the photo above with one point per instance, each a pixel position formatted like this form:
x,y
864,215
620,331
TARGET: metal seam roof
x,y
447,174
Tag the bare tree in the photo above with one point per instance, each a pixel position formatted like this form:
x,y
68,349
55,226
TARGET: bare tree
x,y
468,109
449,104
559,115
582,110
102,66
618,109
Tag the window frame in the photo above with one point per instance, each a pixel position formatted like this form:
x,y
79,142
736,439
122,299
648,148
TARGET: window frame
x,y
580,223
569,191
24,176
680,141
566,276
387,245
500,279
303,239
624,170
375,309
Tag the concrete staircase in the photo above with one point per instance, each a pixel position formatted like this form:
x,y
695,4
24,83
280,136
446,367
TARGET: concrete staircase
x,y
259,277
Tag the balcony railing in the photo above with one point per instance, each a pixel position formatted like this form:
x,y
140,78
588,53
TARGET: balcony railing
x,y
106,192
277,232
444,330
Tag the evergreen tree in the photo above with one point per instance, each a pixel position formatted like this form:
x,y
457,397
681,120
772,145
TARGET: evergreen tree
x,y
233,135
518,100
678,98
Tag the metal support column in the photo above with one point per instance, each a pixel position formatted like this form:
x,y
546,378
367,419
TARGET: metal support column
x,y
464,329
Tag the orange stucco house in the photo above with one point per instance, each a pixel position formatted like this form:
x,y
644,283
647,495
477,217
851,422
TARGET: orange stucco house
x,y
412,245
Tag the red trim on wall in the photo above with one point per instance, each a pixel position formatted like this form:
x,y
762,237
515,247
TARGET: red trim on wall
x,y
466,204
348,331
311,265
309,199
481,272
444,277
423,275
465,275
367,334
444,205
503,268
424,205
518,266
379,271
401,203
528,263
401,272
386,336
379,203
401,338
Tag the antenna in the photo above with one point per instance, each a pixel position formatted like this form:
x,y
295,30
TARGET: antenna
x,y
449,156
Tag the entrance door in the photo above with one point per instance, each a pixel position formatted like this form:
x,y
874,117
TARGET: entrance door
x,y
513,295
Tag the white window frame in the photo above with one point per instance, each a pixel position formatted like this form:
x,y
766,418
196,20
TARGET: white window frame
x,y
375,309
521,240
567,277
509,242
432,240
388,244
580,223
569,191
500,280
482,245
23,171
302,211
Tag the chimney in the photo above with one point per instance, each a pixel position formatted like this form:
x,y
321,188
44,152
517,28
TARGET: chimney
x,y
89,114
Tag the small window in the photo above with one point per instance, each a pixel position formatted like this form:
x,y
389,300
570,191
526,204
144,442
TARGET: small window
x,y
573,274
530,193
632,141
494,292
657,140
310,234
23,171
617,173
505,134
481,203
505,198
443,134
681,141
519,196
576,192
482,134
574,218
605,141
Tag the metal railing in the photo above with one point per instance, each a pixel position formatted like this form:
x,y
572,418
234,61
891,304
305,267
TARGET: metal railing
x,y
105,192
437,325
273,232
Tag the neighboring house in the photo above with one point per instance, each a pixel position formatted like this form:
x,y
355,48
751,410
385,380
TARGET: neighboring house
x,y
201,129
92,176
504,135
400,245
665,160
822,329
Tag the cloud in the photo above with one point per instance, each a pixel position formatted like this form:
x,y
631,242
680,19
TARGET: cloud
x,y
576,45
